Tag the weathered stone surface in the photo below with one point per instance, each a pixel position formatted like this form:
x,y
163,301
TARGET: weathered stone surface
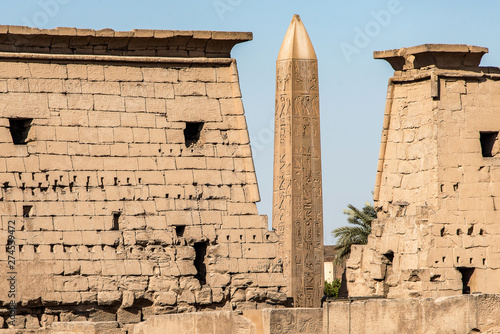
x,y
204,322
437,183
166,298
128,316
114,185
109,297
86,327
297,200
459,314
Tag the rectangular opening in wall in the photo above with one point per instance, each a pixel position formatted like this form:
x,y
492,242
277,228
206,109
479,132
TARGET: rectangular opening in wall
x,y
199,262
488,140
116,221
27,210
19,129
192,133
179,230
389,257
468,280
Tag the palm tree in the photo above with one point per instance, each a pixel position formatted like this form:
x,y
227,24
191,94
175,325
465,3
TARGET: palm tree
x,y
354,235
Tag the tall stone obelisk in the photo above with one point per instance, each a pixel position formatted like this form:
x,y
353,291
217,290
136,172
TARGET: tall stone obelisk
x,y
297,194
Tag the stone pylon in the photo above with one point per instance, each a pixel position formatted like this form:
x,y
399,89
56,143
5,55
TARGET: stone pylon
x,y
297,194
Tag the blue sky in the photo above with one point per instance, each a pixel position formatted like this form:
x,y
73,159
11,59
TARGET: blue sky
x,y
344,34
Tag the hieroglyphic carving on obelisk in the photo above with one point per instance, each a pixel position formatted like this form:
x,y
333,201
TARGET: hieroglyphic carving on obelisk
x,y
297,197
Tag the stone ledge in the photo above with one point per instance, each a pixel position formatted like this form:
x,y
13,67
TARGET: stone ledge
x,y
450,56
112,58
138,42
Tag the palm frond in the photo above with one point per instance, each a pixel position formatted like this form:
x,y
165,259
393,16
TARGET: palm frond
x,y
354,235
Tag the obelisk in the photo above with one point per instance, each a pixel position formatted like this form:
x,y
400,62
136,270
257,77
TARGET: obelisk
x,y
297,194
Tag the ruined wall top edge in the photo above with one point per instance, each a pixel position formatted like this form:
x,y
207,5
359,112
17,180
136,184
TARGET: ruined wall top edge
x,y
449,56
137,42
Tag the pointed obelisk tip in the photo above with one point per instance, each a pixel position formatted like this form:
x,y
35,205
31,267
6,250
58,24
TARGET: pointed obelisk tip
x,y
296,44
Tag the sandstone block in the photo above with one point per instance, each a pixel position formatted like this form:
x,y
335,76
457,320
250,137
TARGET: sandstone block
x,y
141,135
187,297
186,267
128,315
191,162
86,327
123,73
57,101
90,268
46,320
241,209
79,101
109,297
137,89
113,267
32,322
207,177
18,85
109,103
190,89
157,136
223,90
206,74
185,253
133,267
14,70
74,118
25,105
135,104
70,298
231,107
257,251
172,269
158,74
238,295
225,266
111,238
77,71
227,73
95,72
204,296
164,91
216,280
101,88
252,193
193,109
178,177
87,135
218,295
48,71
166,298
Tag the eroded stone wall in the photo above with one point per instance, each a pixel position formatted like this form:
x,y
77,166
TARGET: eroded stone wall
x,y
437,187
453,314
128,183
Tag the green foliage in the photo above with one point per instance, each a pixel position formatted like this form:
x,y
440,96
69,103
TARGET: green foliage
x,y
354,235
332,289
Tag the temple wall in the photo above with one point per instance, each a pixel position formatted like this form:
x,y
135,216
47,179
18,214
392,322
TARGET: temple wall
x,y
437,187
127,184
455,314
